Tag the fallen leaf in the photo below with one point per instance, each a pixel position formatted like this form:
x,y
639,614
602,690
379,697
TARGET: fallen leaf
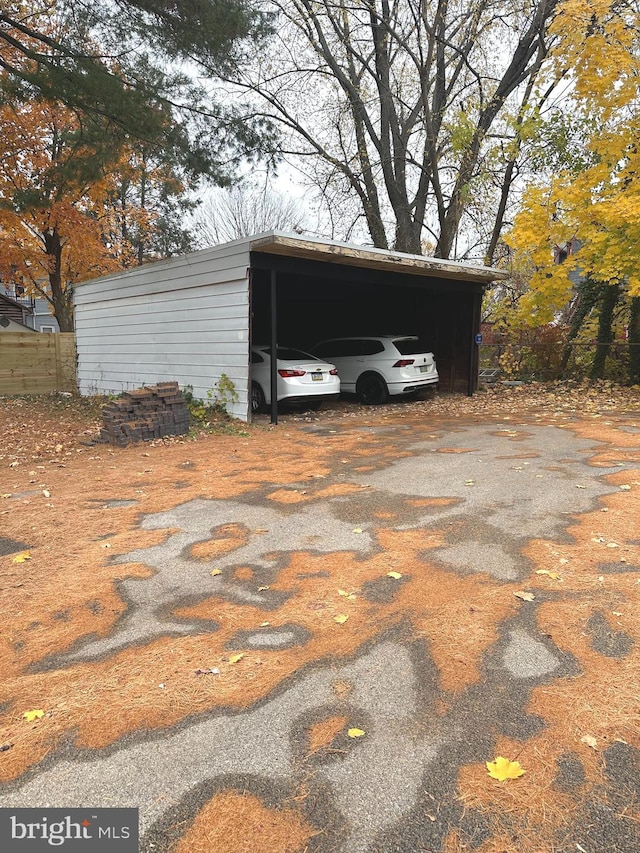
x,y
357,530
525,596
350,595
553,575
264,624
212,671
30,716
215,572
589,740
395,575
501,769
341,619
262,588
7,495
22,557
236,658
625,488
581,487
612,545
46,493
356,733
5,746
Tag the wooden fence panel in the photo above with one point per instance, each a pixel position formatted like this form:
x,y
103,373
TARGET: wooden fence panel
x,y
33,363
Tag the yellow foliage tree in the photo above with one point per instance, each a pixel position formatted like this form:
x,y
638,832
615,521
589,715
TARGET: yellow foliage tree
x,y
598,206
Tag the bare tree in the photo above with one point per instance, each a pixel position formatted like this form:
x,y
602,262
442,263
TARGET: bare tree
x,y
410,104
229,214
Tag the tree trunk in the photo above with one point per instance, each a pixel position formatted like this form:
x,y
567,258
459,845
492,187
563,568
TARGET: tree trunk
x,y
634,341
588,295
610,296
61,298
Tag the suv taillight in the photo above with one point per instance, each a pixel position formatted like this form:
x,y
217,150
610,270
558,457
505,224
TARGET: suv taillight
x,y
404,362
286,373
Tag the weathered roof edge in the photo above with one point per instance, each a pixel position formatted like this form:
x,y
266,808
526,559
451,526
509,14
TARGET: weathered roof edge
x,y
294,245
320,249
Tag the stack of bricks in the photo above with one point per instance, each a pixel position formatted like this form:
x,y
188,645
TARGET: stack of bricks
x,y
145,414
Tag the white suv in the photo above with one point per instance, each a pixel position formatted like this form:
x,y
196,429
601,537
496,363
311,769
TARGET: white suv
x,y
376,367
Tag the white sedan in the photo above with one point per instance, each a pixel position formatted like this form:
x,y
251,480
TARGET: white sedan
x,y
376,367
301,378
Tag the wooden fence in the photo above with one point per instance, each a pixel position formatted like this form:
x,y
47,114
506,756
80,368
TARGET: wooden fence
x,y
37,363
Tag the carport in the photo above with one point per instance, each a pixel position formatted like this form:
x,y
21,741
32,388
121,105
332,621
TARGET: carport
x,y
194,317
303,291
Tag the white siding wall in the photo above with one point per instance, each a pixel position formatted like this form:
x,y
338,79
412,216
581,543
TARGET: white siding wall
x,y
186,319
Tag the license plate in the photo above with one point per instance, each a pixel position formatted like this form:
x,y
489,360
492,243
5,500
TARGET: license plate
x,y
317,377
425,368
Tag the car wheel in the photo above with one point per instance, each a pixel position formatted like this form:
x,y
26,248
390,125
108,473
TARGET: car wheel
x,y
372,390
258,401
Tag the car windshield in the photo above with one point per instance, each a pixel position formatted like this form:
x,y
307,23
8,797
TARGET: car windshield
x,y
409,346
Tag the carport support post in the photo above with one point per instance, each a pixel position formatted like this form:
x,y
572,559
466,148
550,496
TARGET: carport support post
x,y
274,349
474,360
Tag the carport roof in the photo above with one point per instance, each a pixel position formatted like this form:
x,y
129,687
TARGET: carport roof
x,y
310,248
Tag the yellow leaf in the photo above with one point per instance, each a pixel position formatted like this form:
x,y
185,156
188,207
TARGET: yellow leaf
x,y
553,575
341,619
350,595
22,557
357,530
525,596
215,572
501,769
30,716
236,658
589,740
356,733
395,575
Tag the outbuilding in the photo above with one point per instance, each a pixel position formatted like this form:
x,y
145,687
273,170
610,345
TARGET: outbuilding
x,y
194,317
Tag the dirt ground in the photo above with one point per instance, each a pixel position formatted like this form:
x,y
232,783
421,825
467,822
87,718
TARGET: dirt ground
x,y
69,508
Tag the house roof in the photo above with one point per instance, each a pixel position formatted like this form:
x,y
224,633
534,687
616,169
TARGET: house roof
x,y
13,310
